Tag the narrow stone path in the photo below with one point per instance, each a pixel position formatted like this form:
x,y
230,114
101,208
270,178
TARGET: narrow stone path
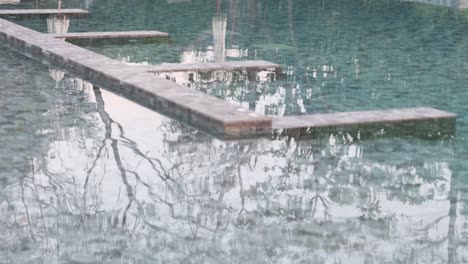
x,y
42,12
420,121
112,35
209,113
223,119
215,66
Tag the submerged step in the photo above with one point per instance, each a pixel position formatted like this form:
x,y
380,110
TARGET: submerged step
x,y
421,121
215,66
111,35
42,12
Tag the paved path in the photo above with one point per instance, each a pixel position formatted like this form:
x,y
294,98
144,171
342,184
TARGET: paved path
x,y
213,66
421,121
209,113
196,108
42,12
362,117
112,35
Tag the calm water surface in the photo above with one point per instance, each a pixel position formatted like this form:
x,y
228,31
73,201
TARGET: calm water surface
x,y
89,177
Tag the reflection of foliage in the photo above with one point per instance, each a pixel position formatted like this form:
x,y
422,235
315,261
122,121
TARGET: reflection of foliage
x,y
192,198
262,198
371,210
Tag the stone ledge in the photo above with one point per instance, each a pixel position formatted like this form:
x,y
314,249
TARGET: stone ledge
x,y
422,121
209,113
111,35
43,12
252,65
206,112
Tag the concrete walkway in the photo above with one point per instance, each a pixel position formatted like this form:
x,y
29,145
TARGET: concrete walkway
x,y
215,66
112,35
193,107
420,121
43,12
199,109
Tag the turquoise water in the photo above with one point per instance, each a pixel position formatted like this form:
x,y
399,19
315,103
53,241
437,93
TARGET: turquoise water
x,y
89,177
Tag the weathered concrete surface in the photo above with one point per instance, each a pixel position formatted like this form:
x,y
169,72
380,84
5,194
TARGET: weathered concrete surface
x,y
256,65
43,12
196,108
422,121
361,117
112,35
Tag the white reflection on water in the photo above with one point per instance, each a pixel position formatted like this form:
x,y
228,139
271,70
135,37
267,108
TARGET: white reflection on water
x,y
88,176
58,24
118,182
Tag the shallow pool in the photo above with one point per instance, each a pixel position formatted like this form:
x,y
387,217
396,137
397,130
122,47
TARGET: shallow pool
x,y
336,55
89,177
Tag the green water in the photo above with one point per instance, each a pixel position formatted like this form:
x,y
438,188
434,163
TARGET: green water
x,y
88,177
338,55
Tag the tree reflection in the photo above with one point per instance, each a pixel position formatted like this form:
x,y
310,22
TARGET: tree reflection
x,y
89,183
91,189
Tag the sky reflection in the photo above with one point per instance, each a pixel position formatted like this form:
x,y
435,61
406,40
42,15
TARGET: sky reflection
x,y
87,176
103,179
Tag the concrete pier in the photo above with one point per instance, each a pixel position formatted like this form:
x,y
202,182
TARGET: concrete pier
x,y
42,12
421,121
193,107
256,65
112,35
223,119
